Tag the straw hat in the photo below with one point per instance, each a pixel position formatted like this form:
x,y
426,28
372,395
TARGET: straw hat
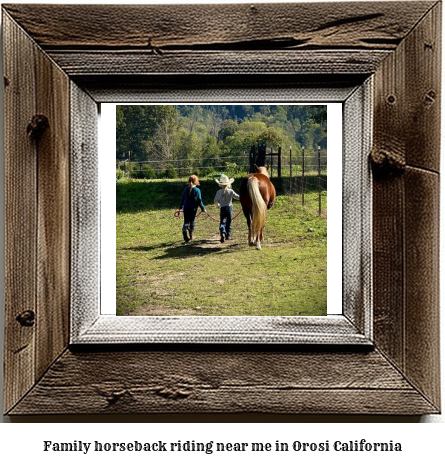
x,y
224,180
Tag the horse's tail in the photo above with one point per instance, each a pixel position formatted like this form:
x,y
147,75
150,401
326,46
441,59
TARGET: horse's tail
x,y
259,207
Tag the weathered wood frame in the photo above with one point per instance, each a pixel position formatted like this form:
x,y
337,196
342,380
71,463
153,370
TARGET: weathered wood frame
x,y
352,326
75,57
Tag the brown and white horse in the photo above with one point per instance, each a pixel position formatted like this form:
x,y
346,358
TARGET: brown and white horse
x,y
257,195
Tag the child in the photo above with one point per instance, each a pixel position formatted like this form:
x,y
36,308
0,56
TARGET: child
x,y
223,200
190,201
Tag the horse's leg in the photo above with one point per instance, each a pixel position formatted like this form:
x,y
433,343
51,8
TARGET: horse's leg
x,y
246,212
255,238
260,232
260,238
252,238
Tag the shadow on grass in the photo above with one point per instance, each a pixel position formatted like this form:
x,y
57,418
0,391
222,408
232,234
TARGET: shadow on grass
x,y
145,195
179,249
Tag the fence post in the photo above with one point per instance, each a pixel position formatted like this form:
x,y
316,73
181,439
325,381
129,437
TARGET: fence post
x,y
261,156
279,162
319,182
290,170
271,162
302,177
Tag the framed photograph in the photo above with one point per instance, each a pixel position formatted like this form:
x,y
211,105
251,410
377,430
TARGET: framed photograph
x,y
376,351
199,261
270,292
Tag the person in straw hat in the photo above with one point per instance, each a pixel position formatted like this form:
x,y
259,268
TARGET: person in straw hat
x,y
223,200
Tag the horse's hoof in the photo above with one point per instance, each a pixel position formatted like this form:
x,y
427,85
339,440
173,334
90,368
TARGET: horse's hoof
x,y
258,245
251,244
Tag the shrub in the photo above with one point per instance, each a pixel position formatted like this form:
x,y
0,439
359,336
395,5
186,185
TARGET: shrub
x,y
170,172
142,172
148,172
206,171
133,171
120,174
233,169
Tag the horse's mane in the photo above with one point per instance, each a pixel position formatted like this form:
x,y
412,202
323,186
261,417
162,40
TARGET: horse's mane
x,y
262,170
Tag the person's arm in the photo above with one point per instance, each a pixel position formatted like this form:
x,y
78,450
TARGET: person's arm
x,y
199,200
217,198
235,195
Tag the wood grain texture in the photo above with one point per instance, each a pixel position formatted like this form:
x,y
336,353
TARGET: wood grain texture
x,y
241,26
389,144
20,212
38,218
406,205
399,42
333,329
422,281
423,92
218,88
357,209
53,226
407,119
78,63
223,382
210,39
85,225
388,268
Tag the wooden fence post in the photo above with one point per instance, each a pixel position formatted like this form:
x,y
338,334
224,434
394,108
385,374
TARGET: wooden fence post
x,y
302,177
252,159
319,182
271,162
290,170
261,157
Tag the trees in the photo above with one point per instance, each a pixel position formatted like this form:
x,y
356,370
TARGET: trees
x,y
161,145
191,136
136,125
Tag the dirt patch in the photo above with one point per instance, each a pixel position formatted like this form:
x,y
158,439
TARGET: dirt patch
x,y
159,310
214,243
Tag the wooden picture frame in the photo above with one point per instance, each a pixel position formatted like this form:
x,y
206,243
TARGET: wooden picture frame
x,y
56,72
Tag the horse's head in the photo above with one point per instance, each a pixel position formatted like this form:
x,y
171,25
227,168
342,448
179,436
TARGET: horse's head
x,y
263,170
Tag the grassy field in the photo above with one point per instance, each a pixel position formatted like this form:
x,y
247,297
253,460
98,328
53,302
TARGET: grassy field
x,y
157,274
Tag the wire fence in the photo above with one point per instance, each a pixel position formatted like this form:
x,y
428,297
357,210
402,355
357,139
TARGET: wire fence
x,y
303,174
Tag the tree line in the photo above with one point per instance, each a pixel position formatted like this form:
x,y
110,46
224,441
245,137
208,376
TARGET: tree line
x,y
211,137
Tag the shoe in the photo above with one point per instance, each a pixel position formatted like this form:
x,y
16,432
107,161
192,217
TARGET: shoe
x,y
222,238
191,235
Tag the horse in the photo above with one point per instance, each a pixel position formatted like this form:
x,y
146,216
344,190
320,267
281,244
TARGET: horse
x,y
257,195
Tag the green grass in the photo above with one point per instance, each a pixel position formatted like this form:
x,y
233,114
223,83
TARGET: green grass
x,y
157,274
